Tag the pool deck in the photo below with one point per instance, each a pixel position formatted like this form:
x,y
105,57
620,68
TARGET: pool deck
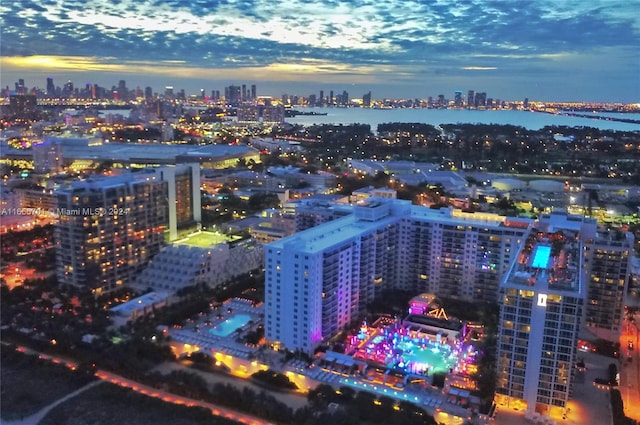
x,y
198,334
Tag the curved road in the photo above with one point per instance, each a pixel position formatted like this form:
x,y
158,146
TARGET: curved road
x,y
113,378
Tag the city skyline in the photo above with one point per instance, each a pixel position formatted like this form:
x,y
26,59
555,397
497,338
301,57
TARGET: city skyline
x,y
540,50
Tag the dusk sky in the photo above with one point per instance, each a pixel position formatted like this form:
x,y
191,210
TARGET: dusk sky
x,y
561,50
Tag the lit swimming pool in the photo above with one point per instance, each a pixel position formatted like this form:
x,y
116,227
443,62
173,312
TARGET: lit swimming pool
x,y
541,256
230,325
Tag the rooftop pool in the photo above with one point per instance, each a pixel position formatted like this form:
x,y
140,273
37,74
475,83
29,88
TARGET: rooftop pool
x,y
230,325
541,256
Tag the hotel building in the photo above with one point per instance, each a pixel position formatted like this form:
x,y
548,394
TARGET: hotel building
x,y
320,280
541,302
109,229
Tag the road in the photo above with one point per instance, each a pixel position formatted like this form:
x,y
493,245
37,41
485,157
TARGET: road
x,y
113,378
630,369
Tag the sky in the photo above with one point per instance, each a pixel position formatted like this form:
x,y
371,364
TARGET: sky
x,y
560,50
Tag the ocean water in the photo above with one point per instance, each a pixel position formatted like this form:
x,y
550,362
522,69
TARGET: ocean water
x,y
526,119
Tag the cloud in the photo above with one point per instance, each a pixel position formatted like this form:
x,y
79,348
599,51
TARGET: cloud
x,y
384,38
479,68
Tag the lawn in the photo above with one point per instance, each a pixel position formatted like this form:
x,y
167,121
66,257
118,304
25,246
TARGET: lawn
x,y
206,239
29,384
108,404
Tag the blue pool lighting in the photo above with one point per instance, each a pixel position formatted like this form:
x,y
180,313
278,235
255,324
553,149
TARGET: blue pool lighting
x,y
230,325
541,256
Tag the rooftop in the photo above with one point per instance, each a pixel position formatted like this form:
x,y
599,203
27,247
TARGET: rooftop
x,y
103,182
143,301
144,152
548,261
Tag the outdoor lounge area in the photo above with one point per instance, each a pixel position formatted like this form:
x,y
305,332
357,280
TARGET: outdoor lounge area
x,y
220,331
399,346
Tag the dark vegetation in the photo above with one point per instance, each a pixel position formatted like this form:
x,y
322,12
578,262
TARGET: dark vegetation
x,y
108,404
584,151
29,383
273,379
351,407
13,243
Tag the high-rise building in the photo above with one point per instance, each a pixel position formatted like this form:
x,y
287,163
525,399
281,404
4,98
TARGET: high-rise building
x,y
322,278
344,98
51,88
470,99
607,261
480,100
260,113
457,99
272,114
541,308
568,272
254,94
183,195
148,92
109,229
232,95
123,91
366,100
20,87
47,157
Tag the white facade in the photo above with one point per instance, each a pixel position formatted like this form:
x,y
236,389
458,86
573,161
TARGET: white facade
x,y
321,279
178,266
183,194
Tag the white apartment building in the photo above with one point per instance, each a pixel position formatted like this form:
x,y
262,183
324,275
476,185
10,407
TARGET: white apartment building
x,y
320,280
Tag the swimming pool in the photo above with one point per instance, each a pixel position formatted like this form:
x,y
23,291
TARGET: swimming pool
x,y
230,325
435,359
541,256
